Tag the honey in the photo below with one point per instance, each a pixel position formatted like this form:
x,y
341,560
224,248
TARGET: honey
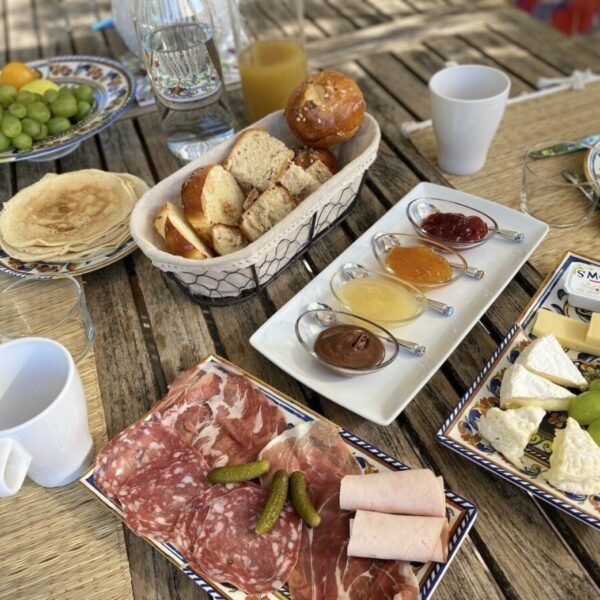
x,y
418,264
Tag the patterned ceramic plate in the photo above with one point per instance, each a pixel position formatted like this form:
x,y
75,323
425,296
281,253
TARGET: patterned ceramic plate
x,y
460,431
113,92
14,266
460,513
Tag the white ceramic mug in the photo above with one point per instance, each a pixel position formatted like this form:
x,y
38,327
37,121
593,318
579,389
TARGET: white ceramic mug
x,y
467,104
43,416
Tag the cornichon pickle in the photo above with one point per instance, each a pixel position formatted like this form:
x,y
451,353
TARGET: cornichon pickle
x,y
234,473
585,408
301,500
274,505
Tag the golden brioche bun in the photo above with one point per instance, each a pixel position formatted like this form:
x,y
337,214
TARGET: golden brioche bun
x,y
326,109
304,157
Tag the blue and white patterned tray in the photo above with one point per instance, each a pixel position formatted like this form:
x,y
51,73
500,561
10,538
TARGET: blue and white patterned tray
x,y
461,513
460,431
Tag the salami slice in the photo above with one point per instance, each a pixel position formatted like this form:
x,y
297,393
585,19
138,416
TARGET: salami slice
x,y
133,448
153,498
228,550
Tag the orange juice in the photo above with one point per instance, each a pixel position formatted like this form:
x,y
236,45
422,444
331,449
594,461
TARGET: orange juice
x,y
270,71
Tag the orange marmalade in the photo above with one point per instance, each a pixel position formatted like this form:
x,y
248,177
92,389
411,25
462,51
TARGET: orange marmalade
x,y
418,264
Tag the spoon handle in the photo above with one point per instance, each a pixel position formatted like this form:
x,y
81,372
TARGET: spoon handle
x,y
474,272
411,347
441,307
515,236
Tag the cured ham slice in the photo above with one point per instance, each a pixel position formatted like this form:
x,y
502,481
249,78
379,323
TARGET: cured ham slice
x,y
153,498
324,569
399,537
221,414
133,448
410,492
222,544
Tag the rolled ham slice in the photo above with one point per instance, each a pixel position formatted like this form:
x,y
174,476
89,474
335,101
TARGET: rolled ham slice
x,y
410,492
398,537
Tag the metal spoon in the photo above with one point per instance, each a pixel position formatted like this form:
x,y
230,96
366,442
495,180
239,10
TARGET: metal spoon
x,y
356,271
515,236
330,319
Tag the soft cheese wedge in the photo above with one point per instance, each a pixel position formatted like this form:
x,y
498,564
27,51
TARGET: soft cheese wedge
x,y
509,431
575,461
546,357
521,387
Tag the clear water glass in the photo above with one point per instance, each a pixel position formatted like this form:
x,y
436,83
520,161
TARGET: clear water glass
x,y
560,190
177,40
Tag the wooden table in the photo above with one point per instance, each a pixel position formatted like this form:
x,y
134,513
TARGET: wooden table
x,y
147,331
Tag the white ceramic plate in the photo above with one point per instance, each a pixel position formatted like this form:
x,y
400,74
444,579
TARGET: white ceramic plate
x,y
381,396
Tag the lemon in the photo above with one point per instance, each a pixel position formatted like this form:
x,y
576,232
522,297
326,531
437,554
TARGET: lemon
x,y
39,86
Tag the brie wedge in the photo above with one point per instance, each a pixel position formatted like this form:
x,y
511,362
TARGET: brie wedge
x,y
521,387
546,358
509,431
575,461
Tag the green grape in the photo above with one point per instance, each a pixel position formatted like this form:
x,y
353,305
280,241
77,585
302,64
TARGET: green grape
x,y
83,110
50,96
10,126
1,113
16,109
8,93
42,135
38,111
84,93
594,431
58,125
595,385
31,127
22,141
585,408
4,142
26,98
65,106
65,91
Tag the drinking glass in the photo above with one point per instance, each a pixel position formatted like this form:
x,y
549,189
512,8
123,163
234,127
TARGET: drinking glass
x,y
52,308
177,40
557,189
271,58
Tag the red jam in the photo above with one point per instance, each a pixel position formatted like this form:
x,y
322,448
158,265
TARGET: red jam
x,y
455,227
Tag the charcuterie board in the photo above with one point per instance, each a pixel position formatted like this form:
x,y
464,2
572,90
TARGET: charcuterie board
x,y
459,512
461,432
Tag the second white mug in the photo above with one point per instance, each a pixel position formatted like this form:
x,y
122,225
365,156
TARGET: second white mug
x,y
467,105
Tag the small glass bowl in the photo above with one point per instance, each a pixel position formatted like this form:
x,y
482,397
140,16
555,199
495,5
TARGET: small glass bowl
x,y
420,208
312,322
383,243
350,272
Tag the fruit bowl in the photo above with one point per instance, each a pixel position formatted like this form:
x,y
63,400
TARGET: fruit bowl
x,y
113,89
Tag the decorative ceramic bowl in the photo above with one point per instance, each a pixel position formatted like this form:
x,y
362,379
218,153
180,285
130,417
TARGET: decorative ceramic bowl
x,y
113,87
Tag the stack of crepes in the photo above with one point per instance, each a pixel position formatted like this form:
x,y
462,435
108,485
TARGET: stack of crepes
x,y
70,217
400,515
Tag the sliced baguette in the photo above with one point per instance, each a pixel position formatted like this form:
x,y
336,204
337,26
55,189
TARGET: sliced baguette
x,y
180,238
227,239
271,206
319,171
257,159
298,182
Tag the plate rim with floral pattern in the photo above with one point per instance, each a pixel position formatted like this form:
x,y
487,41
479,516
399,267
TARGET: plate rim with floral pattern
x,y
459,431
461,512
113,84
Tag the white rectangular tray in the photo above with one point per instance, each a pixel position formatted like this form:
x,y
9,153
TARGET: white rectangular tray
x,y
381,396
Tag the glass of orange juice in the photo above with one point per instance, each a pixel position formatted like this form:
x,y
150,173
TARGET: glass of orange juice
x,y
269,39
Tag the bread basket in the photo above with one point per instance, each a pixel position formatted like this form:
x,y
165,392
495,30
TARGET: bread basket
x,y
228,279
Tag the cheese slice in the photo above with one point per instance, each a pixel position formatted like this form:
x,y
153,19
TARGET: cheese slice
x,y
571,333
575,461
593,333
509,431
521,387
545,357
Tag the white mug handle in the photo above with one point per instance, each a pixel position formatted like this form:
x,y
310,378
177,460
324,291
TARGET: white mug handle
x,y
14,464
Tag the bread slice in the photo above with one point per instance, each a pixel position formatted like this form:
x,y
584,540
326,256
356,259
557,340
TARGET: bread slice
x,y
211,195
227,239
161,218
320,171
257,158
180,238
251,198
298,182
272,205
